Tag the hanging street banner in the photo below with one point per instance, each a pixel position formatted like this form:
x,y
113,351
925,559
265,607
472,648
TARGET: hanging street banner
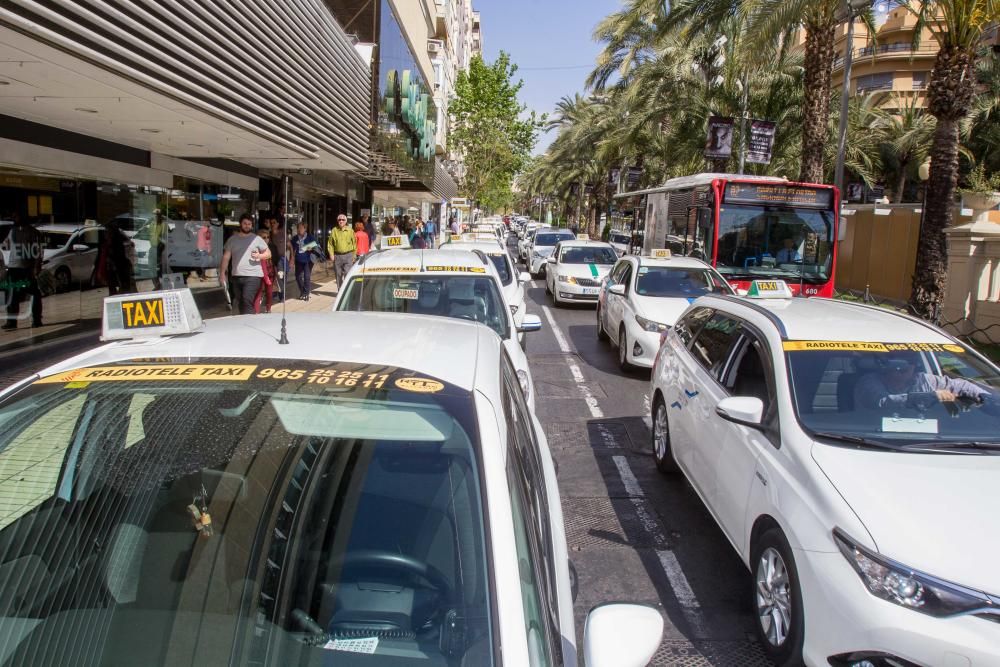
x,y
760,143
720,138
633,177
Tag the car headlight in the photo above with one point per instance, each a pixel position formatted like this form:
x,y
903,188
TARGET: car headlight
x,y
567,279
894,582
522,378
650,325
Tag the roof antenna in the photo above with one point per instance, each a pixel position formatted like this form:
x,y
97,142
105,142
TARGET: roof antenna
x,y
283,339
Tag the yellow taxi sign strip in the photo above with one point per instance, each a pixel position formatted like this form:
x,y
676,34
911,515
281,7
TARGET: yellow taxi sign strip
x,y
661,253
455,269
182,372
395,242
391,269
583,237
866,346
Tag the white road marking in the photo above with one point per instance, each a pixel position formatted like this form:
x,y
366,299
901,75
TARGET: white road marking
x,y
690,606
574,368
607,437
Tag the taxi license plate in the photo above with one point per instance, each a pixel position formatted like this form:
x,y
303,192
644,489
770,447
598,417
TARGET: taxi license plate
x,y
590,290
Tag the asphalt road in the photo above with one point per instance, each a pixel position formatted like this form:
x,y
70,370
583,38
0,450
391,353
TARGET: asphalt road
x,y
634,534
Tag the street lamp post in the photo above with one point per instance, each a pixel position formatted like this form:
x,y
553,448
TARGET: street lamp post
x,y
852,8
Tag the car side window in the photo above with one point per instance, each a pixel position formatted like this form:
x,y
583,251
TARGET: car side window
x,y
532,530
751,373
713,343
627,278
688,326
616,273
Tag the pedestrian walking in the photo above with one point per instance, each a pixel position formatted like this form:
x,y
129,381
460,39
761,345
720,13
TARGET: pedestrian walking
x,y
265,294
429,229
391,228
456,229
241,258
369,229
204,248
417,239
303,245
361,236
159,238
280,249
24,264
114,261
342,246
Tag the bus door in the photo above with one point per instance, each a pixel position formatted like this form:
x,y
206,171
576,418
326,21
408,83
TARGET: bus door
x,y
700,237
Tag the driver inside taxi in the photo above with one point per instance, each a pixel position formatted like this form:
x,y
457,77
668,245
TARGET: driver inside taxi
x,y
898,377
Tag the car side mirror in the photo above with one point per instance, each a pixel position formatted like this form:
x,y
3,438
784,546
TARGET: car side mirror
x,y
743,410
524,277
617,289
551,260
621,635
530,323
80,247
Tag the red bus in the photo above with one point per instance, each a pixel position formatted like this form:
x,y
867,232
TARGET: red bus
x,y
747,227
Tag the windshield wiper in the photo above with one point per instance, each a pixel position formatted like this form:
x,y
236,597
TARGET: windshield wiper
x,y
939,445
856,440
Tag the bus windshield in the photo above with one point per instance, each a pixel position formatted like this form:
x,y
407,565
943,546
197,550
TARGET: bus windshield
x,y
794,244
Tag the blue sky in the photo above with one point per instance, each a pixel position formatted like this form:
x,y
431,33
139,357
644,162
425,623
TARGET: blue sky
x,y
550,40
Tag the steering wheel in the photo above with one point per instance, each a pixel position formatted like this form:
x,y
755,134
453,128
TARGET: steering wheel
x,y
374,559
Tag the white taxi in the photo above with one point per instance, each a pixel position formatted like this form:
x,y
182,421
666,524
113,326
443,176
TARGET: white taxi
x,y
199,493
511,282
524,243
851,455
446,283
642,298
576,269
540,249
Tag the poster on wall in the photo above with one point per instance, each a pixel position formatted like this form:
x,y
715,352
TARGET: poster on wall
x,y
760,142
720,138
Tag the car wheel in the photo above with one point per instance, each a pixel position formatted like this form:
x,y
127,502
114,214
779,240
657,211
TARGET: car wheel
x,y
777,599
601,333
623,350
64,279
548,290
662,452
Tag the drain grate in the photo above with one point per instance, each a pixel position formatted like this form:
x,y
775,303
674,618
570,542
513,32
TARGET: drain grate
x,y
609,435
565,434
682,653
601,523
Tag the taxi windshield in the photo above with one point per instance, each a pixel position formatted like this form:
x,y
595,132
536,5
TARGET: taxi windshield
x,y
905,396
687,283
225,512
588,255
547,239
464,297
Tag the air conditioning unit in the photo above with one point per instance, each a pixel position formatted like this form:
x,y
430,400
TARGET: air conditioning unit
x,y
434,46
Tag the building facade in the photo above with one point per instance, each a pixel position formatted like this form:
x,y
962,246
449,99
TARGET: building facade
x,y
154,124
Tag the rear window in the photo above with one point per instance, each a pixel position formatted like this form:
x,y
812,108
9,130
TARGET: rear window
x,y
465,297
232,512
551,239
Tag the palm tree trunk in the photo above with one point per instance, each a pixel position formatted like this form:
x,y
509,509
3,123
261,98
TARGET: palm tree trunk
x,y
901,184
931,275
950,96
818,66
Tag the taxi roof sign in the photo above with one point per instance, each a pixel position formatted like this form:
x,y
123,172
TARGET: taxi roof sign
x,y
583,237
769,289
394,242
661,253
151,314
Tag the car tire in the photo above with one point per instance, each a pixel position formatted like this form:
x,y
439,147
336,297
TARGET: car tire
x,y
663,453
777,599
63,279
548,290
601,333
623,361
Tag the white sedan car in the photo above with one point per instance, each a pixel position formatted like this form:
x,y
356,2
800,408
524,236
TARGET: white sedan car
x,y
642,298
197,493
447,283
851,455
541,247
576,270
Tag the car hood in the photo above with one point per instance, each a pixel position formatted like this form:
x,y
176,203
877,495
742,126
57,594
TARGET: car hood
x,y
932,512
664,310
594,271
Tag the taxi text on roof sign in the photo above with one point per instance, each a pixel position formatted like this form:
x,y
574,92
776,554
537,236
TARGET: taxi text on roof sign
x,y
769,289
394,242
661,253
164,313
583,237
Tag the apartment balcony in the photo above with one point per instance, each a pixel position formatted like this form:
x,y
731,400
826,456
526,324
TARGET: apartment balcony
x,y
883,52
442,19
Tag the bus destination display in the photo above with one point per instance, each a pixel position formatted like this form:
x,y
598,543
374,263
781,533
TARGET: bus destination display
x,y
778,193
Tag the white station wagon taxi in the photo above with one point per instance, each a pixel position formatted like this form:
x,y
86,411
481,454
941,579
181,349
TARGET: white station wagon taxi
x,y
852,457
446,283
642,298
576,269
200,494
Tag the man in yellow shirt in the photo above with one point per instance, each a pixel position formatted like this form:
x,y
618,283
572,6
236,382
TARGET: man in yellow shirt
x,y
341,246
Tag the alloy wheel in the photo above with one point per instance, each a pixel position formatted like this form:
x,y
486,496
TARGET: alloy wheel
x,y
774,606
660,432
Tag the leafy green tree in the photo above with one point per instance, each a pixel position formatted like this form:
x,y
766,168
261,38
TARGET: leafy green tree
x,y
490,130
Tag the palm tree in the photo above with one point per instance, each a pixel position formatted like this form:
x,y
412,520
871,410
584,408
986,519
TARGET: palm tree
x,y
958,27
909,133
